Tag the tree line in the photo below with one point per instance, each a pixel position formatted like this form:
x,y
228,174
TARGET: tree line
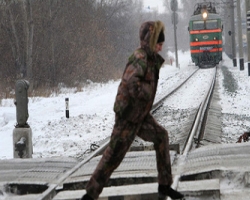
x,y
68,42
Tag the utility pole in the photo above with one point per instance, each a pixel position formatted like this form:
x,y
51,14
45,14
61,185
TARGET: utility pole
x,y
241,59
233,33
229,30
175,39
248,32
174,7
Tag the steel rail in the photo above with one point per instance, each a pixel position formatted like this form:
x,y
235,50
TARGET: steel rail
x,y
195,129
199,118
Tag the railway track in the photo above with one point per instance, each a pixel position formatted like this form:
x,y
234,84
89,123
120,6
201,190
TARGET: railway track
x,y
52,188
136,178
186,145
197,130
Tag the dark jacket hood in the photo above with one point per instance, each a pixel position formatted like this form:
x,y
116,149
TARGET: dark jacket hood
x,y
149,33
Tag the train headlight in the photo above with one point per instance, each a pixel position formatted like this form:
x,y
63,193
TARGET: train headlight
x,y
196,39
215,38
204,15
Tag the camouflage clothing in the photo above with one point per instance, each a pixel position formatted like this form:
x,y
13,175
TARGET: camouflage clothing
x,y
132,106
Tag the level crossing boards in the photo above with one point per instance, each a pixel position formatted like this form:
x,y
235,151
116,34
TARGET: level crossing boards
x,y
217,157
138,165
36,170
27,178
201,173
207,162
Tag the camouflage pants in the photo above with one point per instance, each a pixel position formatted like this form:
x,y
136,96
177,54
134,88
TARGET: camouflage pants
x,y
123,135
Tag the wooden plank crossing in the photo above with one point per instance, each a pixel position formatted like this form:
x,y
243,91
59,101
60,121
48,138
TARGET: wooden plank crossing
x,y
142,191
218,158
135,164
36,170
130,192
226,157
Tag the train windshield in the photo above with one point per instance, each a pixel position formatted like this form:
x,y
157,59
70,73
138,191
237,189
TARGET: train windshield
x,y
211,24
198,25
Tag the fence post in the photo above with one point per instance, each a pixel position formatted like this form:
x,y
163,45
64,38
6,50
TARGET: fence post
x,y
67,107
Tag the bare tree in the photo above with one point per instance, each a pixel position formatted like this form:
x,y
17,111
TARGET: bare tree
x,y
9,26
51,42
28,32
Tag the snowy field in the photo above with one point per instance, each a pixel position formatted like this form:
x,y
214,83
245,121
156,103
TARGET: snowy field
x,y
92,117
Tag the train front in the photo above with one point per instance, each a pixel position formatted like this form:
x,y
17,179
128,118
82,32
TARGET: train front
x,y
205,30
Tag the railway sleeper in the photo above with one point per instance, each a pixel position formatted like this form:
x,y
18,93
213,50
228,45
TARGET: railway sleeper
x,y
23,189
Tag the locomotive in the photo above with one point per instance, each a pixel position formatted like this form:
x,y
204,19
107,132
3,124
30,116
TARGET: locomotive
x,y
205,30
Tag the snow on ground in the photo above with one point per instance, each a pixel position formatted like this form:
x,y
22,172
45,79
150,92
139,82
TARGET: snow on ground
x,y
186,97
235,101
92,118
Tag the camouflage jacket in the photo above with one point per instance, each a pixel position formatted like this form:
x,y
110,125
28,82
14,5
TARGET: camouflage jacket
x,y
137,89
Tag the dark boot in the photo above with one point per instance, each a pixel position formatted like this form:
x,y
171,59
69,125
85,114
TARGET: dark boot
x,y
86,197
165,190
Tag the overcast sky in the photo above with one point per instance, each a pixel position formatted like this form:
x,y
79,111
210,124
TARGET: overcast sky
x,y
154,4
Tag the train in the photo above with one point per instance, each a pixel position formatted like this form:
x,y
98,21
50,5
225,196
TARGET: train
x,y
205,31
